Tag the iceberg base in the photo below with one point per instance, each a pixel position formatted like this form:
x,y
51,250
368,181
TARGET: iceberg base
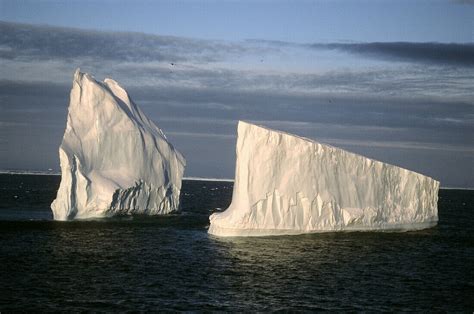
x,y
231,232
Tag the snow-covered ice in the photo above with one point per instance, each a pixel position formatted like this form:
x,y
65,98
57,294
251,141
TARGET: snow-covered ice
x,y
114,160
285,184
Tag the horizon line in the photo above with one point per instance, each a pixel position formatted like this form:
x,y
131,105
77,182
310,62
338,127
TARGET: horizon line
x,y
51,173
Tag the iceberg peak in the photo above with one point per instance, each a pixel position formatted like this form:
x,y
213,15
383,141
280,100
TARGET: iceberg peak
x,y
114,160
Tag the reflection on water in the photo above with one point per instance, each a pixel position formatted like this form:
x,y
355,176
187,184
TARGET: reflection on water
x,y
145,263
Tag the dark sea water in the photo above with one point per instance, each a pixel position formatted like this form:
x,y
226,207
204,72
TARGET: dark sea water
x,y
171,263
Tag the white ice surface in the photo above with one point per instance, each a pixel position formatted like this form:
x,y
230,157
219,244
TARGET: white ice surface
x,y
285,184
114,160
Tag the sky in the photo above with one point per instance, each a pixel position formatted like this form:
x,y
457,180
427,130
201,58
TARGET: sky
x,y
391,80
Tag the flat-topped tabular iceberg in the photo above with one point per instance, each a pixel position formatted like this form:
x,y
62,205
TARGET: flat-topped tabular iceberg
x,y
114,160
285,184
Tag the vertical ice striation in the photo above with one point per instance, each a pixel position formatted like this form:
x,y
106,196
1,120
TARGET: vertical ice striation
x,y
285,184
114,160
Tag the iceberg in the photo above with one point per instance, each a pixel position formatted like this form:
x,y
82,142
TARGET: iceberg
x,y
114,160
286,184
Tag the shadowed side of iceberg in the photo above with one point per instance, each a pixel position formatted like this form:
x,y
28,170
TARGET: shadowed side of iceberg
x,y
285,184
114,160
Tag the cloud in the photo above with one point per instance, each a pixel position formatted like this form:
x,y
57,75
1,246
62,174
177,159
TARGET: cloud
x,y
434,53
23,42
42,42
28,52
215,111
33,88
398,144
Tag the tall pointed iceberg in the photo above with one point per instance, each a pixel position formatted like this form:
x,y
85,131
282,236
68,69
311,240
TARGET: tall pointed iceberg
x,y
285,184
114,160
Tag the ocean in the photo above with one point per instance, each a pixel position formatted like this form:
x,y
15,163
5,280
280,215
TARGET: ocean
x,y
171,263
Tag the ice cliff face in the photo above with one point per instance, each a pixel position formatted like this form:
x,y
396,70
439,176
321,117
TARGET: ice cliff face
x,y
286,184
114,160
